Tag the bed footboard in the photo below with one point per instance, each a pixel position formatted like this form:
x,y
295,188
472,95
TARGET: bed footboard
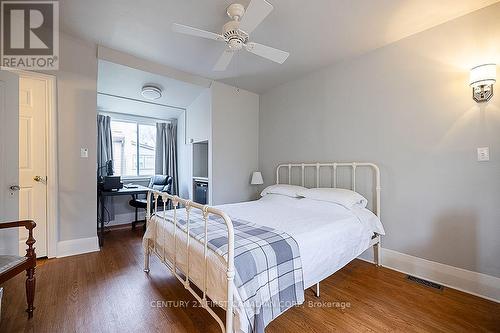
x,y
152,199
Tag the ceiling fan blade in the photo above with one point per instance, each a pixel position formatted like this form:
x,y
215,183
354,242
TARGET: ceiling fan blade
x,y
255,13
184,29
224,60
267,52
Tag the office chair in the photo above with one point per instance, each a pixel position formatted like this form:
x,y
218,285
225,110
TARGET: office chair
x,y
158,182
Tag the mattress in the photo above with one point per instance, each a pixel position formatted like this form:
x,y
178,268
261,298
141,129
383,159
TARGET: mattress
x,y
328,235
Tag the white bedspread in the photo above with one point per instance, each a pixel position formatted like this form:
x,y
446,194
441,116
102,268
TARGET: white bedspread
x,y
328,235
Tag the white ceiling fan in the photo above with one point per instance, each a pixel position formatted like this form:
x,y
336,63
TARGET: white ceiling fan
x,y
235,33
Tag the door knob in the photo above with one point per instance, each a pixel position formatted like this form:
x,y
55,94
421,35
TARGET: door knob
x,y
37,178
15,188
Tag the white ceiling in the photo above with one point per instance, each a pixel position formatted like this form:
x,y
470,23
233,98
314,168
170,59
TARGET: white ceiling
x,y
316,32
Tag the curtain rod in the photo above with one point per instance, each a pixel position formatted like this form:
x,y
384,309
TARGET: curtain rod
x,y
141,101
135,116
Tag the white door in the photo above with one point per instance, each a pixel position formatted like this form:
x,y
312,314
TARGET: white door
x,y
33,160
9,169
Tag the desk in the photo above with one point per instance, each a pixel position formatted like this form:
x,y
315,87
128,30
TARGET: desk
x,y
138,189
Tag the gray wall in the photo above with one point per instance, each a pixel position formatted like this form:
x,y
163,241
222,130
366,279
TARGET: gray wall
x,y
184,159
234,144
407,107
76,112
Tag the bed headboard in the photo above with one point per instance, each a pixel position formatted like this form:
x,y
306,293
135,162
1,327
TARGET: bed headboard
x,y
334,169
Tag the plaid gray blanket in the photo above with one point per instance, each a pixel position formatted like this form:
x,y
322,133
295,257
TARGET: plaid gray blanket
x,y
268,267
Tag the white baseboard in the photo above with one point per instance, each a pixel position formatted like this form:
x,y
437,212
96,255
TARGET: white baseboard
x,y
77,246
478,284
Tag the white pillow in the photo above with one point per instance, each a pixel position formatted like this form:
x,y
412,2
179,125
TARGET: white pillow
x,y
346,198
283,189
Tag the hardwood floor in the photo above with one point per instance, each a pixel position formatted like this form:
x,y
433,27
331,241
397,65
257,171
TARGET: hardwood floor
x,y
107,291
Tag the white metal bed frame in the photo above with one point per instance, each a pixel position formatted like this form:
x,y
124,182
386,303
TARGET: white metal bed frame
x,y
206,210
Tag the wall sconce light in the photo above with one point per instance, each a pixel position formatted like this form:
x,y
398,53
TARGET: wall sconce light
x,y
481,80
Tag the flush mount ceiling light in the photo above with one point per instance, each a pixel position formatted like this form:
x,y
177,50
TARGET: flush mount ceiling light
x,y
481,80
151,92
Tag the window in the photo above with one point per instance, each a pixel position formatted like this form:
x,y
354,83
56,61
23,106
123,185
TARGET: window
x,y
134,144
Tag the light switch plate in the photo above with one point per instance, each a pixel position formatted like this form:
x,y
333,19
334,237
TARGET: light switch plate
x,y
483,154
84,152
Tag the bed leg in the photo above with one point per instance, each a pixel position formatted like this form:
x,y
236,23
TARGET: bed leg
x,y
377,255
146,260
317,289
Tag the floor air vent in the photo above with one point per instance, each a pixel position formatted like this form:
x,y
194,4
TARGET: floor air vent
x,y
425,282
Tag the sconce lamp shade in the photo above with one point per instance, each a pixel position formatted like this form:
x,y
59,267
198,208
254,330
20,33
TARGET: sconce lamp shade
x,y
483,75
257,178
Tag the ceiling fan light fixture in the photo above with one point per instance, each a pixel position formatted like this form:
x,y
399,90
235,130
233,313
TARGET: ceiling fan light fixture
x,y
235,33
235,11
151,92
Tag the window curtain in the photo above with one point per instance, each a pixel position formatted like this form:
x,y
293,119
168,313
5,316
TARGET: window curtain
x,y
105,154
104,144
166,152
